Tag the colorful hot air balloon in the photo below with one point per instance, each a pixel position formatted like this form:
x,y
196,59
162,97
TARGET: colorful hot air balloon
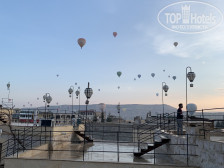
x,y
139,76
114,34
119,73
81,42
174,77
153,74
175,44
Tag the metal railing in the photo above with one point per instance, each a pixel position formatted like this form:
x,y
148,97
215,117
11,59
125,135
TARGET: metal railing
x,y
24,139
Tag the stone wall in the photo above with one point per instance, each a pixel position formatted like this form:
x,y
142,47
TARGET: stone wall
x,y
202,153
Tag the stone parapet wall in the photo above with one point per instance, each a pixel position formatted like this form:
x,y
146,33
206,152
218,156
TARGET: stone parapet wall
x,y
201,153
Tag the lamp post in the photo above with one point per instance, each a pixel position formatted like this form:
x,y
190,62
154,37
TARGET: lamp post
x,y
190,76
70,91
78,96
164,88
88,92
8,87
118,111
47,99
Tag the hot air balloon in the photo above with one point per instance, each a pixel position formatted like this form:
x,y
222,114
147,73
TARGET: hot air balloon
x,y
174,77
98,89
134,78
169,76
118,87
114,34
119,73
153,74
164,70
157,94
139,76
75,83
57,75
81,42
175,44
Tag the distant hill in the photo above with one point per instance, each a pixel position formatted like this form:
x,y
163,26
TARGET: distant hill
x,y
128,111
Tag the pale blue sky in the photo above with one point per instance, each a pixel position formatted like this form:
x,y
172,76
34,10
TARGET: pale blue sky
x,y
38,40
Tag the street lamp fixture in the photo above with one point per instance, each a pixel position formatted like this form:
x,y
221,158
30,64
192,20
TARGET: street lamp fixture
x,y
70,91
190,76
47,99
119,107
77,93
165,88
88,92
118,110
78,96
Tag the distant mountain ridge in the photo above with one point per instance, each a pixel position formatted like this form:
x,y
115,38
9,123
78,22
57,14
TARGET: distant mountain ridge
x,y
127,111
